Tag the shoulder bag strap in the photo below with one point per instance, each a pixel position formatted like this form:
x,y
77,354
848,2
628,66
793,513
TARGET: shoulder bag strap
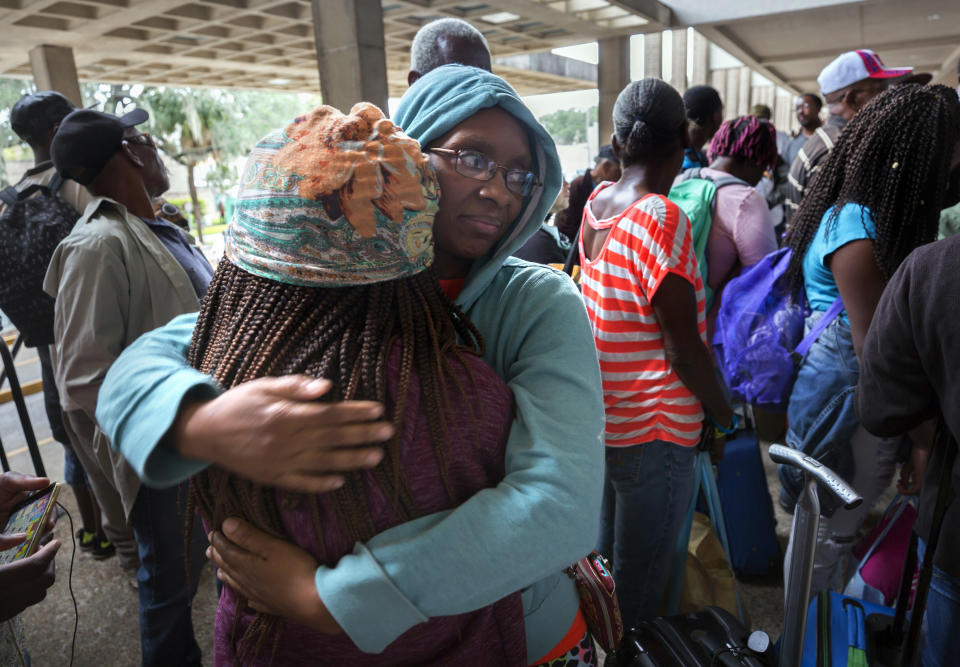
x,y
891,515
835,309
926,569
573,254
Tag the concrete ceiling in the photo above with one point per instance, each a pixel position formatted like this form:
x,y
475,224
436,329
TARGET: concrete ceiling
x,y
270,43
792,46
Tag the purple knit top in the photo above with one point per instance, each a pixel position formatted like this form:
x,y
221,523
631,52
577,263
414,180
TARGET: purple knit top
x,y
478,424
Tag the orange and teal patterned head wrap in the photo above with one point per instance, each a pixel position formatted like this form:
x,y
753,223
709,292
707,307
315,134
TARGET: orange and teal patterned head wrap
x,y
333,200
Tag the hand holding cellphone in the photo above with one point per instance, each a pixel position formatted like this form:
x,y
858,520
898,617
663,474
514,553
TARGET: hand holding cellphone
x,y
30,517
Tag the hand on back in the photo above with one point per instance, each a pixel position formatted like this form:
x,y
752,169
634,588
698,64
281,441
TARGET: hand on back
x,y
275,431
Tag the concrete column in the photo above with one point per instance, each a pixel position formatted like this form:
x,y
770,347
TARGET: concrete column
x,y
613,75
718,79
54,69
732,99
746,83
783,112
350,52
701,59
653,55
678,63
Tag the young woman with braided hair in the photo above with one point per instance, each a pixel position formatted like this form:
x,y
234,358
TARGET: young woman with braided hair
x,y
356,302
498,172
741,230
876,197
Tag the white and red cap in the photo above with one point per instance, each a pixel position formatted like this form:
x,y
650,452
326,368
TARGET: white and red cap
x,y
854,66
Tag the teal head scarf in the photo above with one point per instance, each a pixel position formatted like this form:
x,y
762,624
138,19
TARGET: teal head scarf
x,y
447,96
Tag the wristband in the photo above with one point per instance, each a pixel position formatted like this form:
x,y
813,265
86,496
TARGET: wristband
x,y
724,430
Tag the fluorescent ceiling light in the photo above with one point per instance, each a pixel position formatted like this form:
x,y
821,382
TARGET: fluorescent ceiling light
x,y
279,82
500,17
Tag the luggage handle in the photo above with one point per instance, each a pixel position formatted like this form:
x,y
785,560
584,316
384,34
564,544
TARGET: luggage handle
x,y
806,521
827,478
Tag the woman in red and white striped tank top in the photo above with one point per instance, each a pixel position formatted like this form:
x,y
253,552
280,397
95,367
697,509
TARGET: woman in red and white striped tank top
x,y
644,296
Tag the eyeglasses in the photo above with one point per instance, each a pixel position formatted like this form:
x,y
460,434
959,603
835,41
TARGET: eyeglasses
x,y
144,139
476,165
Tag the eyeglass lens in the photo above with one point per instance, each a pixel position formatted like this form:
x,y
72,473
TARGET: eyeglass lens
x,y
477,165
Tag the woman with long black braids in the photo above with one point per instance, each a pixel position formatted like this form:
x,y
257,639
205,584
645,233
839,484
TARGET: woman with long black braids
x,y
877,197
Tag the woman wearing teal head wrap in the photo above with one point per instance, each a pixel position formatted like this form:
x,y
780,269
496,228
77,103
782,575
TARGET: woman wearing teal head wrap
x,y
499,173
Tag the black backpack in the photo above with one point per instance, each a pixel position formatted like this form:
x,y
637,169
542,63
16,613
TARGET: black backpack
x,y
30,229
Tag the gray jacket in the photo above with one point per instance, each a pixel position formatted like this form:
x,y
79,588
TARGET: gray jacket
x,y
113,280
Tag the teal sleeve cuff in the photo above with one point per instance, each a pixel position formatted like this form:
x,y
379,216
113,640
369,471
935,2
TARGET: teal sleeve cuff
x,y
141,396
356,591
160,466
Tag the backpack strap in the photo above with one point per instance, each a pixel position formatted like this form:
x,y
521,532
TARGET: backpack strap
x,y
55,184
835,309
9,195
726,180
692,172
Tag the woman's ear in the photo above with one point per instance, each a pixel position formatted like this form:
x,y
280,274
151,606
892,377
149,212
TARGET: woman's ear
x,y
615,145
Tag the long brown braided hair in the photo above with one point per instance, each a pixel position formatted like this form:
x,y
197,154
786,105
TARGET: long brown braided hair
x,y
251,327
894,159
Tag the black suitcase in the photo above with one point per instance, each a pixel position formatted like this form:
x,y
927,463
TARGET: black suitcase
x,y
710,636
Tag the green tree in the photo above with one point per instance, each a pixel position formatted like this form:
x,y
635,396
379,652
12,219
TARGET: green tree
x,y
194,125
11,90
569,126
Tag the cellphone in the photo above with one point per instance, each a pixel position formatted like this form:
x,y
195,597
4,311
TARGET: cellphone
x,y
30,517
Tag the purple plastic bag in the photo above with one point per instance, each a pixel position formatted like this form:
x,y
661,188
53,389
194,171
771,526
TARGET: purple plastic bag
x,y
758,329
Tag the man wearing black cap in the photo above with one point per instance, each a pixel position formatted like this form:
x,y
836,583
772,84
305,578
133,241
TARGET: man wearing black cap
x,y
120,273
35,119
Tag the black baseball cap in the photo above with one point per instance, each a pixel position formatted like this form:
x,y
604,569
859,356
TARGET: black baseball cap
x,y
88,139
33,115
606,153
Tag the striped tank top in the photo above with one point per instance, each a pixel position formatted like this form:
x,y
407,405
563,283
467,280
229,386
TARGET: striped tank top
x,y
644,397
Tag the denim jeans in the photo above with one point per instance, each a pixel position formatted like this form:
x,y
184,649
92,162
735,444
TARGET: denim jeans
x,y
159,524
821,413
942,617
646,492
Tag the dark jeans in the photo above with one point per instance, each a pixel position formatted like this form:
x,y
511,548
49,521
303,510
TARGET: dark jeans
x,y
166,629
942,617
646,492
